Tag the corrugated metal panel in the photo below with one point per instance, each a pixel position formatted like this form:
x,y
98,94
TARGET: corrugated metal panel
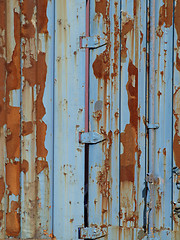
x,y
50,184
69,99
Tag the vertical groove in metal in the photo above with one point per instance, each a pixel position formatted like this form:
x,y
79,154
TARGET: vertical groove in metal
x,y
172,117
146,115
53,80
120,24
87,84
21,112
151,114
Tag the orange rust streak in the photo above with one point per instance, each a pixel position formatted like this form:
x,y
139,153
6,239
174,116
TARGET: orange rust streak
x,y
13,177
166,13
41,165
2,15
13,136
128,139
28,9
1,216
24,166
12,224
42,19
30,73
101,7
176,20
27,128
2,188
2,92
126,28
132,90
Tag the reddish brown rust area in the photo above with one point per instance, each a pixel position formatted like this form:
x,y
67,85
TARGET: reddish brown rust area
x,y
132,90
42,19
2,188
13,220
176,21
127,26
1,215
166,14
13,177
129,136
40,109
27,128
2,92
128,139
41,165
24,166
101,7
2,15
164,151
101,66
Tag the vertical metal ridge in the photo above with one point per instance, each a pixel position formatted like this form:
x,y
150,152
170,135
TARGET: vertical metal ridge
x,y
21,113
172,155
53,160
120,21
151,113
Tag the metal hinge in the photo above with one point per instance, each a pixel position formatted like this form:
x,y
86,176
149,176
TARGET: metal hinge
x,y
153,125
91,137
92,42
92,232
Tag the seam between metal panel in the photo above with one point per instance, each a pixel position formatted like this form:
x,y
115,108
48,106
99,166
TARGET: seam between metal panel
x,y
172,156
53,157
120,21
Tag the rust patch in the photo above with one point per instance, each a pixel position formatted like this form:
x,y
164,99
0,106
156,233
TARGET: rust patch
x,y
176,142
166,14
2,188
127,26
24,166
101,66
177,62
12,224
13,177
42,19
141,38
128,139
176,21
2,15
2,92
101,7
1,214
27,8
13,135
159,93
28,30
30,72
27,128
40,109
41,165
164,151
132,90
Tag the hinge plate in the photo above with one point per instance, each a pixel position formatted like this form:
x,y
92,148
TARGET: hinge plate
x,y
92,232
92,42
91,137
153,126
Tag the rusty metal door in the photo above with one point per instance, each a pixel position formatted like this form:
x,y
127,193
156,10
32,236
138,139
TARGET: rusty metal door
x,y
89,119
133,171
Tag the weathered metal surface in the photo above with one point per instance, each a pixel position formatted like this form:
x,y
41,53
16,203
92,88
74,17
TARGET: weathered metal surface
x,y
133,116
26,161
121,81
176,115
69,119
160,111
103,202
